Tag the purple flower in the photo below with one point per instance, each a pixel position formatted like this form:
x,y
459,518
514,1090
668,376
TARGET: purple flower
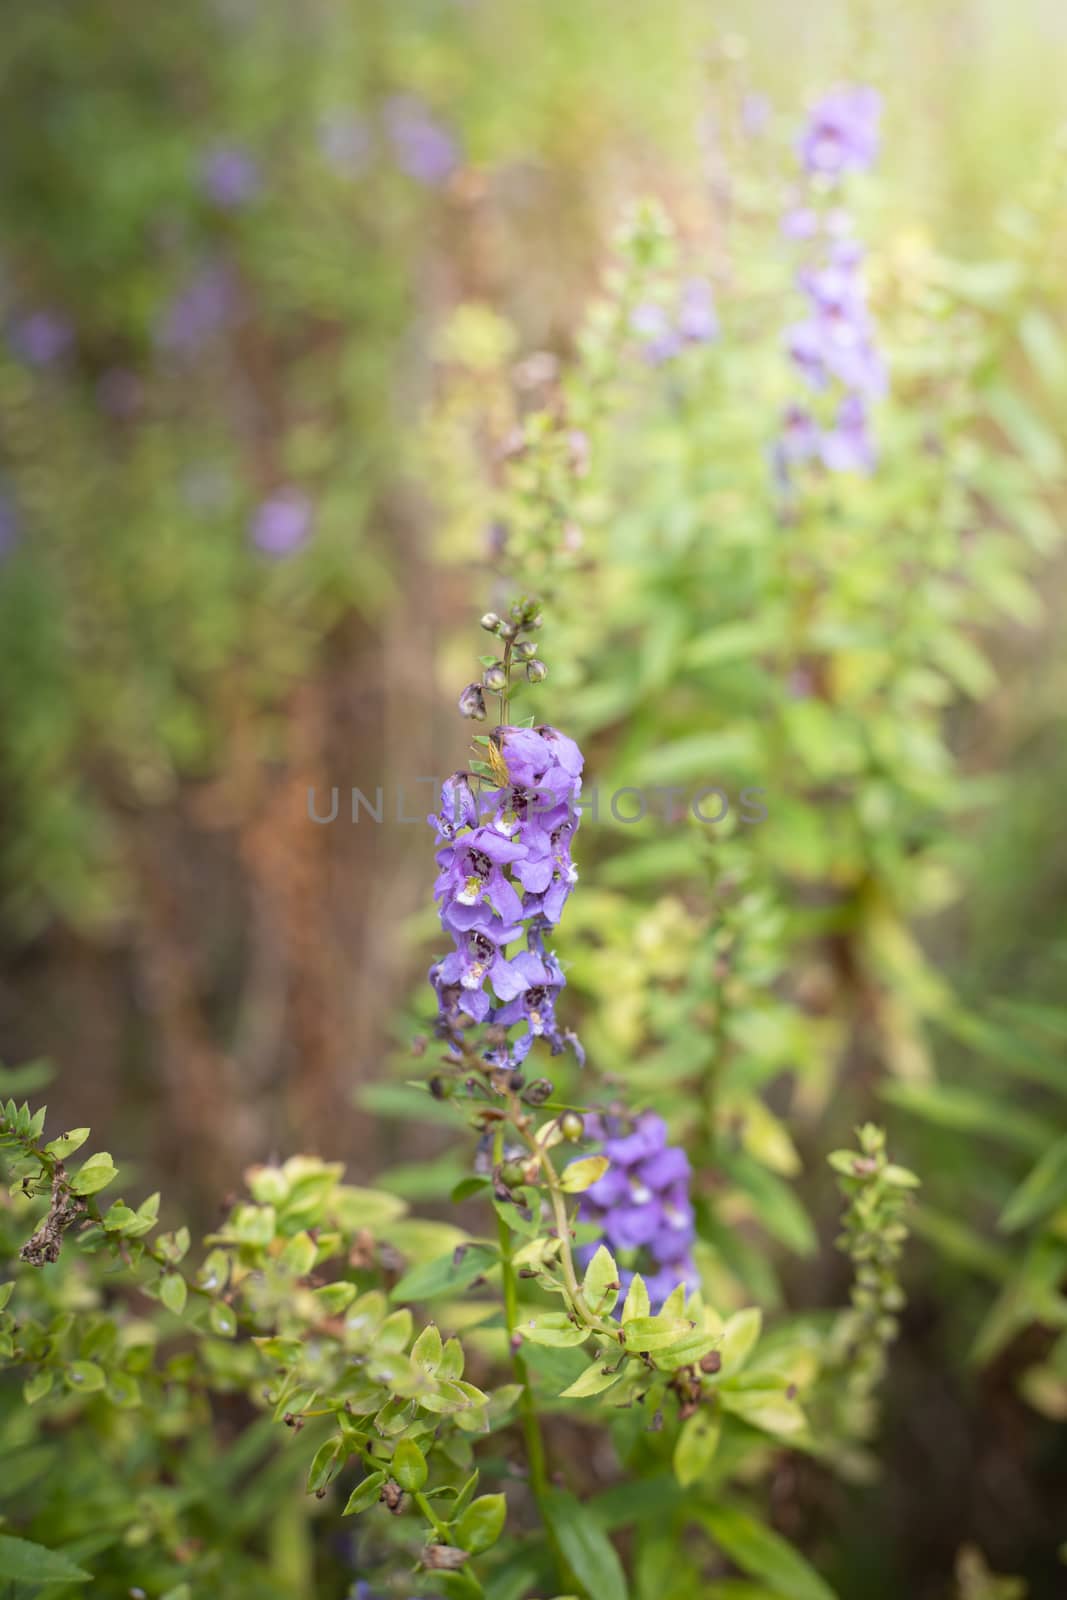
x,y
423,147
198,311
848,447
641,1204
282,522
842,132
802,222
472,875
659,340
230,177
697,321
800,435
42,337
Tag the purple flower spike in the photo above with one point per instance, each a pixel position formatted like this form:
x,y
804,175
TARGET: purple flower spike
x,y
504,872
833,348
282,523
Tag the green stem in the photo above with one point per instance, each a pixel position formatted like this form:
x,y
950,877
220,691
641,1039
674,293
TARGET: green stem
x,y
531,1427
505,693
439,1528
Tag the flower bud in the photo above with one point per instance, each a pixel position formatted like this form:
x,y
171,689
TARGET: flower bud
x,y
495,677
526,650
538,1091
536,672
572,1126
491,622
472,702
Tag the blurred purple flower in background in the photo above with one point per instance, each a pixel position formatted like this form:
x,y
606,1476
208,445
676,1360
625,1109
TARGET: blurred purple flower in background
x,y
230,176
346,143
842,132
423,147
199,310
663,336
697,321
802,222
658,339
282,523
847,447
42,337
834,347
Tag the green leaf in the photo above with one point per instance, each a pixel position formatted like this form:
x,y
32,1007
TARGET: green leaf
x,y
594,1380
409,1466
37,1387
326,1463
365,1494
428,1350
600,1286
580,1175
768,1409
739,1337
637,1302
85,1376
763,1554
222,1320
586,1548
172,1292
482,1523
67,1143
94,1174
445,1275
697,1444
1042,1190
655,1333
299,1254
334,1298
553,1328
22,1561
